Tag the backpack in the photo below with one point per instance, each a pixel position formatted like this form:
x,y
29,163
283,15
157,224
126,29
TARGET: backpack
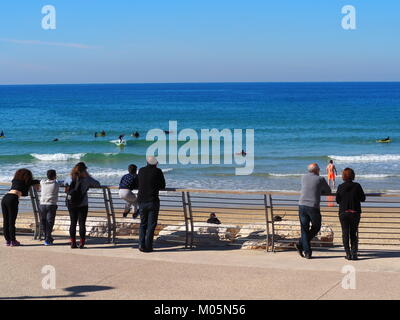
x,y
75,194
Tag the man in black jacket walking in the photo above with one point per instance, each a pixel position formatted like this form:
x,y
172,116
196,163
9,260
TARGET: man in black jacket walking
x,y
151,181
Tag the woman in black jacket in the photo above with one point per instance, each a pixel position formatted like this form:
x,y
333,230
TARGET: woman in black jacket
x,y
81,181
20,186
349,196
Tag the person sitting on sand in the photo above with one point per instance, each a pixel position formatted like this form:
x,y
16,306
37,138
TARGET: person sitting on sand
x,y
332,172
213,219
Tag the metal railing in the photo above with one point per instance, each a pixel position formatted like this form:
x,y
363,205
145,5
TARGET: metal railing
x,y
246,217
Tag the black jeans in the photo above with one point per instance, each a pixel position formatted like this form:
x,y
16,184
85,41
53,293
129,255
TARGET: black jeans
x,y
47,218
9,207
148,222
307,215
349,222
78,214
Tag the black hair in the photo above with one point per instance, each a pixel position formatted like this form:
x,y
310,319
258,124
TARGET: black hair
x,y
51,174
132,169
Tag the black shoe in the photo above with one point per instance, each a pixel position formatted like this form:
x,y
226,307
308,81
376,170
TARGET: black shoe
x,y
354,256
308,255
125,213
299,250
135,215
348,256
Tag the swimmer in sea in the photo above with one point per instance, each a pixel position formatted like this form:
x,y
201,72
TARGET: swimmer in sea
x,y
95,134
136,134
103,133
331,171
2,134
55,140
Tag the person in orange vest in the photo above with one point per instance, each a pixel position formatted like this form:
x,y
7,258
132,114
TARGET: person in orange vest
x,y
331,171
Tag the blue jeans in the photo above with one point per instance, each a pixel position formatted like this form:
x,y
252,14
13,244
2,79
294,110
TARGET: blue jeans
x,y
148,222
307,215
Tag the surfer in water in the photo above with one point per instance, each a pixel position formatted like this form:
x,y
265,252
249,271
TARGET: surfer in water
x,y
103,133
135,134
243,153
331,171
121,138
2,134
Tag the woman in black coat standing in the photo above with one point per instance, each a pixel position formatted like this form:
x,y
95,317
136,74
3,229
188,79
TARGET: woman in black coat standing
x,y
349,196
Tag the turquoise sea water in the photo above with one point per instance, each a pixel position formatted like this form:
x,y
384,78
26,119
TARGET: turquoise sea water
x,y
294,123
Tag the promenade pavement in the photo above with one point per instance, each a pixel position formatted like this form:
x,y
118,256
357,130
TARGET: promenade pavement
x,y
107,271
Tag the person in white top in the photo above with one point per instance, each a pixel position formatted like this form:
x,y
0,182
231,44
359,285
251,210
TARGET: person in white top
x,y
48,204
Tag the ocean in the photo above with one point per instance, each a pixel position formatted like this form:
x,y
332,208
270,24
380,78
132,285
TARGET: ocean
x,y
294,124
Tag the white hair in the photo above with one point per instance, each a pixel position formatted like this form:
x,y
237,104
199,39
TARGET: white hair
x,y
312,167
151,160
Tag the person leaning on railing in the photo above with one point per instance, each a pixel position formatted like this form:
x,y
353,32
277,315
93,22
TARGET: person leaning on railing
x,y
129,182
151,181
20,186
77,187
349,196
312,186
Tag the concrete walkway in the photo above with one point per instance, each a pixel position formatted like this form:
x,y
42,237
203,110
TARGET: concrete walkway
x,y
105,271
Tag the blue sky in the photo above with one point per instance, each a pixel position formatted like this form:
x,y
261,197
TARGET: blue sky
x,y
198,41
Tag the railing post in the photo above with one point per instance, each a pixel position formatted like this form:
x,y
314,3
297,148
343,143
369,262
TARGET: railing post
x,y
266,221
184,205
114,223
272,222
35,207
189,203
107,206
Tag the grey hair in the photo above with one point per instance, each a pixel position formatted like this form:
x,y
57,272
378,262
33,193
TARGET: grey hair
x,y
312,167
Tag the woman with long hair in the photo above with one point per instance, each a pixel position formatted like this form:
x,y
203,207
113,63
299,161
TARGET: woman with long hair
x,y
349,196
77,187
20,185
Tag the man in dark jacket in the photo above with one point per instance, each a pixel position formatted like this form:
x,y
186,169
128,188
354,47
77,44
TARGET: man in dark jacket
x,y
151,181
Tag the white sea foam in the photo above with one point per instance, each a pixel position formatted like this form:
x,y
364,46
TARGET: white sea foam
x,y
285,174
366,176
58,156
110,173
367,158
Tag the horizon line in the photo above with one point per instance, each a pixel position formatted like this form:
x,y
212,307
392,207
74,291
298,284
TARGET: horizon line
x,y
192,82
